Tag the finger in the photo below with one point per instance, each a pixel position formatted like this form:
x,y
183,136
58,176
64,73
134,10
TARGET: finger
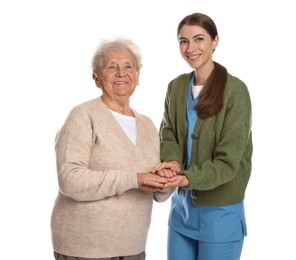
x,y
160,173
172,179
170,185
157,167
154,183
150,188
169,173
160,167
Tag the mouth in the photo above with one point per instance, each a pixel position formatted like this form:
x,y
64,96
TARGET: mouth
x,y
193,57
120,83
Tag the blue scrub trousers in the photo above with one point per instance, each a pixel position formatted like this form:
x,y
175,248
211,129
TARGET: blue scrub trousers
x,y
181,247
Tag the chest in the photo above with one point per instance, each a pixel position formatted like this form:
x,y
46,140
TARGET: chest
x,y
112,146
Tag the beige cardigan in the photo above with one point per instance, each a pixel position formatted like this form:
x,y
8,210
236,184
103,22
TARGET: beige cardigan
x,y
99,211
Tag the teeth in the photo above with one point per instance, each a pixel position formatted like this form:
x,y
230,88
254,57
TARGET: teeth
x,y
119,82
193,56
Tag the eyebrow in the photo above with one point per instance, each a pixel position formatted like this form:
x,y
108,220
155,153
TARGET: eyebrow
x,y
195,36
198,35
116,63
182,38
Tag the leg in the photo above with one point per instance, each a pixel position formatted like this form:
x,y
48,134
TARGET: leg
x,y
141,256
220,251
59,256
181,247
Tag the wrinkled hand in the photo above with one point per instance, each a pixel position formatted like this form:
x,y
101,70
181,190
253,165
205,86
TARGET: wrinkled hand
x,y
153,182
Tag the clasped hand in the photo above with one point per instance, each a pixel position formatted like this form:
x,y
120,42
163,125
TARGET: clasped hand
x,y
164,175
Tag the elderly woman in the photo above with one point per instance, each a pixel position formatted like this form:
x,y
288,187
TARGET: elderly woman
x,y
105,152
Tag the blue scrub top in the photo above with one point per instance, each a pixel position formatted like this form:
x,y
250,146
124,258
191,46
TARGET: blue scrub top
x,y
218,224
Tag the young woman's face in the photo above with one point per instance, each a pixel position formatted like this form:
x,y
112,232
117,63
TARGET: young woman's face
x,y
196,46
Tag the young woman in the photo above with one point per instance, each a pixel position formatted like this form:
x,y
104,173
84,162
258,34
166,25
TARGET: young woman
x,y
205,140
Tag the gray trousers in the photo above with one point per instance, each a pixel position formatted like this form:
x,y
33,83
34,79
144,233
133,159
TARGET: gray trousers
x,y
141,256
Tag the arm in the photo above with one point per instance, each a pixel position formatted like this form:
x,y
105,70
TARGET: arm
x,y
171,151
173,122
154,182
74,149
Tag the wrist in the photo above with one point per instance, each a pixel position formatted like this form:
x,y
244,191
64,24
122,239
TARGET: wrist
x,y
184,181
177,166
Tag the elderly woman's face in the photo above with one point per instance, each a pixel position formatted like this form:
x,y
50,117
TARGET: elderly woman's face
x,y
118,77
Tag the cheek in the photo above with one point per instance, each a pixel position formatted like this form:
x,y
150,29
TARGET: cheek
x,y
182,49
134,78
99,82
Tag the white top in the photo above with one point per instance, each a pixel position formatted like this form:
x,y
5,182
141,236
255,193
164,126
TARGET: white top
x,y
128,125
196,90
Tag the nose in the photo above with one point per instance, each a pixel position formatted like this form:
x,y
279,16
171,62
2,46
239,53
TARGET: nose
x,y
190,47
120,71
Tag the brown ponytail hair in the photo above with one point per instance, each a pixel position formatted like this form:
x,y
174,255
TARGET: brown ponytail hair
x,y
211,97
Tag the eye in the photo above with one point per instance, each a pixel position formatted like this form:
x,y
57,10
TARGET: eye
x,y
199,39
182,42
112,67
129,67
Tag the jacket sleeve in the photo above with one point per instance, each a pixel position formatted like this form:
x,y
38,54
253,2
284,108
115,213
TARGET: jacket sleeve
x,y
170,149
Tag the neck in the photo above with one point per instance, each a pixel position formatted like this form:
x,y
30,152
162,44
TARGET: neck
x,y
114,105
203,73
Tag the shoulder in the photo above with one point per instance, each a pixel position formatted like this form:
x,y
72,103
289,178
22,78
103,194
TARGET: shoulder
x,y
181,79
88,108
236,85
87,112
87,105
178,85
237,95
237,92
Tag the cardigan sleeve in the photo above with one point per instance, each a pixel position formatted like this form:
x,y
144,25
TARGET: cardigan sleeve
x,y
170,148
74,144
158,196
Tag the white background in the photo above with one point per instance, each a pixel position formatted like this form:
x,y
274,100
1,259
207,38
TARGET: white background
x,y
45,55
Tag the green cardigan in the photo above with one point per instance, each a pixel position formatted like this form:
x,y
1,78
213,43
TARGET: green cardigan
x,y
222,148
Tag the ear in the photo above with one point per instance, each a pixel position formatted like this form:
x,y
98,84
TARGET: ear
x,y
96,79
215,43
94,76
138,78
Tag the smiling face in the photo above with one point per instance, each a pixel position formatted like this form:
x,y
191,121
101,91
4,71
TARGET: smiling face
x,y
196,46
118,76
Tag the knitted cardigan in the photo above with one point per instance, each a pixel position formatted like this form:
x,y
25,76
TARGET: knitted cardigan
x,y
99,211
220,164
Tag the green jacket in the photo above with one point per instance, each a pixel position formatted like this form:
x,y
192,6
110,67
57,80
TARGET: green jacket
x,y
222,148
